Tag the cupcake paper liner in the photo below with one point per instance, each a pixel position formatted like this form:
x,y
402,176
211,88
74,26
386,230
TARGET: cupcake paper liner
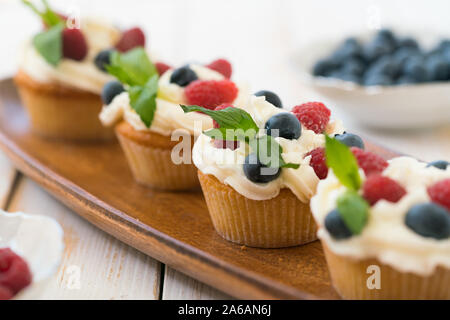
x,y
153,166
282,221
62,113
350,279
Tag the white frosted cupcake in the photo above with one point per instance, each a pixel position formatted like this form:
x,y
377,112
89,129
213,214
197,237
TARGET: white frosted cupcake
x,y
388,235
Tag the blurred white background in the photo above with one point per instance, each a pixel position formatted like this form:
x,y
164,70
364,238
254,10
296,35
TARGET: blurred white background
x,y
259,37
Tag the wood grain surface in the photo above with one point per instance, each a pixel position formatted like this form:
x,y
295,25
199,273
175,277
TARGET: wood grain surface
x,y
94,180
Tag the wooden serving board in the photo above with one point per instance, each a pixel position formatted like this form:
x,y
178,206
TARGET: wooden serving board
x,y
95,181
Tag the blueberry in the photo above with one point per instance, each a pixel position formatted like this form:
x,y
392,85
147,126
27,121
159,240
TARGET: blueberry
x,y
324,67
401,55
415,69
350,139
255,171
183,76
376,79
110,90
350,48
287,125
270,97
354,66
408,43
349,77
444,44
386,35
440,164
336,226
385,65
375,50
438,68
102,59
405,80
429,220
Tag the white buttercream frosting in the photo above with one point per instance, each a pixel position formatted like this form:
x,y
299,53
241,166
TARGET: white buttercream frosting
x,y
168,115
227,165
386,236
83,74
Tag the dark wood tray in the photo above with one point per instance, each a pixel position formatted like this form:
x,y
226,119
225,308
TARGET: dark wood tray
x,y
94,180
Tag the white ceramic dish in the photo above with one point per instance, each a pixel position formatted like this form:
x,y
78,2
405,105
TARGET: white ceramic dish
x,y
391,107
37,239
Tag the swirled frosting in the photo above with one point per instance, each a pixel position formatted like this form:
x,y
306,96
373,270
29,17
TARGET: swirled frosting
x,y
168,115
386,236
227,165
83,75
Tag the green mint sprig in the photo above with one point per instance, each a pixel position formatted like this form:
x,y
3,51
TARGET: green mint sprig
x,y
135,69
352,208
237,124
49,42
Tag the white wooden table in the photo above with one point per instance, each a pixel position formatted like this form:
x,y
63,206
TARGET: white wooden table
x,y
259,36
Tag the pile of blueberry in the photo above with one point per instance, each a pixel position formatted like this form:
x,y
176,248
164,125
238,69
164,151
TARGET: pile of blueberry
x,y
386,60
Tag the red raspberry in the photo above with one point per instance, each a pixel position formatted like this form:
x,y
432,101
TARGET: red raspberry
x,y
313,115
222,144
378,187
74,44
5,293
162,67
14,272
130,39
370,162
222,66
440,193
318,162
211,93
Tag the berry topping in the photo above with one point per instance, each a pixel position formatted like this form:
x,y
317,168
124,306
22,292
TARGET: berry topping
x,y
14,272
111,90
336,226
370,162
284,125
5,293
318,162
350,139
440,193
222,66
313,115
378,187
440,164
211,93
74,44
429,220
183,76
162,67
224,144
271,97
221,107
255,171
103,59
130,39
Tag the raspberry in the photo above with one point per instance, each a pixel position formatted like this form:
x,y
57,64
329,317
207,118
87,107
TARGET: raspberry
x,y
130,39
370,162
74,44
211,93
5,293
14,272
378,187
440,193
221,107
162,67
313,115
222,144
318,162
222,66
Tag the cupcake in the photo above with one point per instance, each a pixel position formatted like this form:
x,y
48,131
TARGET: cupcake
x,y
258,185
385,226
149,122
62,72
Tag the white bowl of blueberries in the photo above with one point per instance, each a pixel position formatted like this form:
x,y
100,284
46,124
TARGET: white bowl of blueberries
x,y
382,80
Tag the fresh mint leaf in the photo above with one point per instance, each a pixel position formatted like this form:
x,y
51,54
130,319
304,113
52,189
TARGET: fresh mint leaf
x,y
353,210
133,67
143,99
49,17
340,158
49,44
228,118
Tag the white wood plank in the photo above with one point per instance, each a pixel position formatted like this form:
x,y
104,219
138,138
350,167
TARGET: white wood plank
x,y
178,286
7,175
108,269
